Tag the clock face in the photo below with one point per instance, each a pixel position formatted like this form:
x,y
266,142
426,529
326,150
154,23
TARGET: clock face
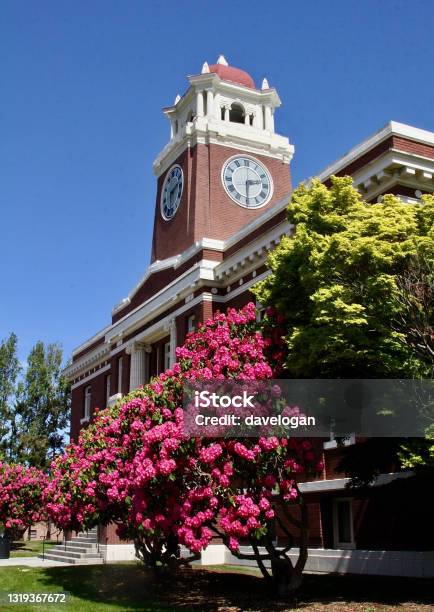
x,y
172,192
247,182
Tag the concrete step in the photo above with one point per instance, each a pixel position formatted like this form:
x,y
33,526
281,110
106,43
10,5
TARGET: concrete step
x,y
81,561
81,545
80,550
84,540
72,554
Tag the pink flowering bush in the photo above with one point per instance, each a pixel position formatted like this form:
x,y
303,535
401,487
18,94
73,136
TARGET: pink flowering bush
x,y
21,492
135,466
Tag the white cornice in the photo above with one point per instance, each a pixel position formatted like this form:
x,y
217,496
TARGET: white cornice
x,y
87,378
91,340
393,128
87,361
205,130
246,258
201,271
212,80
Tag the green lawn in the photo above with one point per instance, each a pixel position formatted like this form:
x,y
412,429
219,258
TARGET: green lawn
x,y
92,588
29,548
125,587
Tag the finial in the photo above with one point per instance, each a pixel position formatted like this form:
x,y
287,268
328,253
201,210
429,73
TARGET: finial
x,y
177,99
205,68
222,60
265,84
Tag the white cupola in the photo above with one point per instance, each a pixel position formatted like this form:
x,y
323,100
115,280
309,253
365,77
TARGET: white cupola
x,y
223,105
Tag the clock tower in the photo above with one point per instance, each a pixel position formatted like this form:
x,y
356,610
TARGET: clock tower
x,y
224,164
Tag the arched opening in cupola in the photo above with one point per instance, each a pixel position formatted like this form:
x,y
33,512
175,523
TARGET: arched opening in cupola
x,y
236,113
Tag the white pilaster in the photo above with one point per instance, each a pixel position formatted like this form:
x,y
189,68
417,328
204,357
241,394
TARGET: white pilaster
x,y
137,366
209,102
268,118
172,342
199,104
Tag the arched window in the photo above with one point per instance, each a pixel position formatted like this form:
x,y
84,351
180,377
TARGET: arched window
x,y
236,113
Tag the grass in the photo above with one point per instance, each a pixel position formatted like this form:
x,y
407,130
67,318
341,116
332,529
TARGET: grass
x,y
29,548
125,587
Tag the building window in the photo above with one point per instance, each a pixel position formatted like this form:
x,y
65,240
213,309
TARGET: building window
x,y
167,356
222,113
87,402
260,312
107,388
120,372
236,113
191,323
343,529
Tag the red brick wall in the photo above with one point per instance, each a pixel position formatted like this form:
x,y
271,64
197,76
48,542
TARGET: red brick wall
x,y
98,400
315,526
206,209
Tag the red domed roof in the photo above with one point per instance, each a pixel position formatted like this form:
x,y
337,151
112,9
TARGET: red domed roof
x,y
234,75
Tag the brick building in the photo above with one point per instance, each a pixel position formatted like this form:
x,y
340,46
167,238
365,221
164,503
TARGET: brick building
x,y
223,184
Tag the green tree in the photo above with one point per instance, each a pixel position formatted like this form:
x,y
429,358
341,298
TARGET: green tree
x,y
343,280
355,284
42,407
9,371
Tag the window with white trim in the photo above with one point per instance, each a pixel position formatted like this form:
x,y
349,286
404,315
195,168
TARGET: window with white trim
x,y
107,388
120,372
343,528
191,323
167,356
260,312
87,402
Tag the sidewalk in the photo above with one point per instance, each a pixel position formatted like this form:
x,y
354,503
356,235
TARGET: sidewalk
x,y
31,562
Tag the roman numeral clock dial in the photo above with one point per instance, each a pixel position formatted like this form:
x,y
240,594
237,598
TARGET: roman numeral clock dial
x,y
247,182
171,192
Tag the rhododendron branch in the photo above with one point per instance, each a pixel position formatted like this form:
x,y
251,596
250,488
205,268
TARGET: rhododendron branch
x,y
304,538
259,560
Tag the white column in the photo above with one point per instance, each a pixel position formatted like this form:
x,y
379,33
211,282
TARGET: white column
x,y
246,118
267,118
216,106
199,104
272,121
148,351
209,103
226,113
137,366
172,342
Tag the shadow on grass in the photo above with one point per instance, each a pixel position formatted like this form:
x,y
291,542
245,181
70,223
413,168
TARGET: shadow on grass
x,y
29,548
125,586
128,587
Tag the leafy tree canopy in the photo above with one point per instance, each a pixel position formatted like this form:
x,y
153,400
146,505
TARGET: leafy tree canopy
x,y
42,406
345,282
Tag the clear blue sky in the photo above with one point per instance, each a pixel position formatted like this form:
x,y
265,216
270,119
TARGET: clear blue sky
x,y
83,84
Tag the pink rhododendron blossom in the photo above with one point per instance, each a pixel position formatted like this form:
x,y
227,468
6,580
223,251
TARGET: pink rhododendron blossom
x,y
134,466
